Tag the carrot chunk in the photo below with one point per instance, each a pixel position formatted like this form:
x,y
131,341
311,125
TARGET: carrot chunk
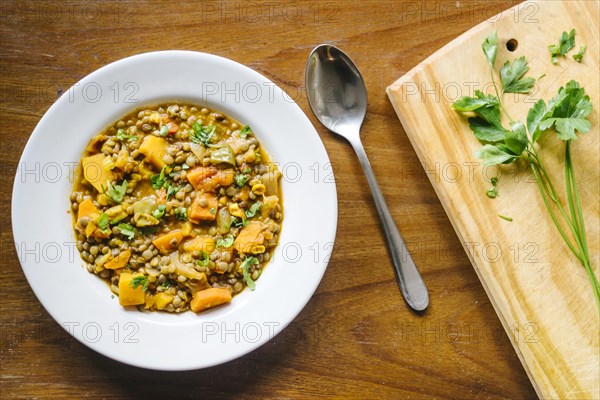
x,y
208,298
169,241
204,208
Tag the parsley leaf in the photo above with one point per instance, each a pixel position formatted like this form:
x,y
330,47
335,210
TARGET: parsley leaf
x,y
160,211
127,230
171,190
235,222
251,212
246,130
511,77
202,134
516,138
566,43
241,179
204,261
181,213
103,222
492,155
568,112
487,125
490,47
579,56
159,180
535,115
225,242
140,280
116,192
246,264
122,136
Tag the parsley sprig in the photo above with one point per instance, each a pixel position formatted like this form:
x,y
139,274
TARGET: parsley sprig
x,y
565,115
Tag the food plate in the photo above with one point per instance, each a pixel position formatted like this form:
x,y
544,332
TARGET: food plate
x,y
81,303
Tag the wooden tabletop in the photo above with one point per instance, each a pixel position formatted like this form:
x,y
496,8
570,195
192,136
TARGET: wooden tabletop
x,y
356,338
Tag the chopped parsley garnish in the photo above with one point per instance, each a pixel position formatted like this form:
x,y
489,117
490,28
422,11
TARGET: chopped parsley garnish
x,y
116,192
241,179
171,190
235,222
246,264
202,134
103,223
159,180
159,212
140,280
246,130
225,242
123,136
127,230
251,212
203,262
181,213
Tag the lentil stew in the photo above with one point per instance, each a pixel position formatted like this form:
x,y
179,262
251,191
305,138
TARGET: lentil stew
x,y
176,206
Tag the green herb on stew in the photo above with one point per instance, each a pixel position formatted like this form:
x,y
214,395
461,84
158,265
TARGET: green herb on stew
x,y
140,280
251,212
202,134
204,261
159,212
181,213
103,223
246,264
123,136
246,130
127,230
116,192
171,190
159,180
225,242
241,179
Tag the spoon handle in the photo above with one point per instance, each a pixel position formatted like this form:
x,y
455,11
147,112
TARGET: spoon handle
x,y
411,284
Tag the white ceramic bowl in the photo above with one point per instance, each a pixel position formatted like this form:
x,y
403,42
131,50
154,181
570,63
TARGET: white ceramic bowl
x,y
82,303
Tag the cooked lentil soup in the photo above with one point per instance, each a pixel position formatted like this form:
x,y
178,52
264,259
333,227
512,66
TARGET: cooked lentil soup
x,y
178,207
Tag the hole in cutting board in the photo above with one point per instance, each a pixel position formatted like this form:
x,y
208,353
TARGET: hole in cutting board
x,y
512,45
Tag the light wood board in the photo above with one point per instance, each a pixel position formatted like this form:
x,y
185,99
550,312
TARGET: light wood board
x,y
538,288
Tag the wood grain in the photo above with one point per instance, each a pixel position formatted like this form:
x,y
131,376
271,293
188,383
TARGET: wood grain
x,y
356,338
544,284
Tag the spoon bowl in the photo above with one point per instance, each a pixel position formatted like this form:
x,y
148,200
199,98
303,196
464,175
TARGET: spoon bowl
x,y
338,97
337,94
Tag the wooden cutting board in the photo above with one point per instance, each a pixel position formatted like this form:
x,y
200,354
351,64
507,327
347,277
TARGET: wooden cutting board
x,y
539,290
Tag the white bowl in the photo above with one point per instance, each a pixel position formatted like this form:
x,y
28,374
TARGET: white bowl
x,y
82,303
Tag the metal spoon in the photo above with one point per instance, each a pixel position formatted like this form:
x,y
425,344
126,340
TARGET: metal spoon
x,y
338,98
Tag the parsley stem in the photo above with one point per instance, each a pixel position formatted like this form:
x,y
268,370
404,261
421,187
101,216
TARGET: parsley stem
x,y
575,201
544,193
554,196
